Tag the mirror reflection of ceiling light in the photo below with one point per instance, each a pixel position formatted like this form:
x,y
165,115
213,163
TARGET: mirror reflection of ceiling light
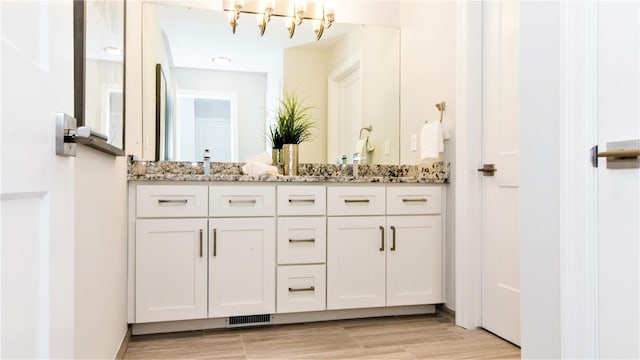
x,y
222,60
113,50
322,13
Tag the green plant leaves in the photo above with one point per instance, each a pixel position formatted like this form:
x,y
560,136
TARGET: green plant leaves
x,y
293,121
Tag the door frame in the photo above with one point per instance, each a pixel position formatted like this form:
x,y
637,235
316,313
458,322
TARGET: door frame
x,y
576,132
345,69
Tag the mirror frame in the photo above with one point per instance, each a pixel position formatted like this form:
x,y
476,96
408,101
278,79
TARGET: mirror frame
x,y
79,72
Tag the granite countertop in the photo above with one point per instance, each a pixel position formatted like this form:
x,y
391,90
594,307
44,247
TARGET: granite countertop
x,y
433,173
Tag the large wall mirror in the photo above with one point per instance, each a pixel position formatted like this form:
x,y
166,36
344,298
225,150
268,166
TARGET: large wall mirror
x,y
99,28
350,78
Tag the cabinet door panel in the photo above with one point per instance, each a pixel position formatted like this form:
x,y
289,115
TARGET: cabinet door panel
x,y
242,272
355,263
171,276
414,265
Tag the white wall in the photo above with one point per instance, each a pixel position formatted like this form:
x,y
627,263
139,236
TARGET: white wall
x,y
153,52
539,155
428,76
100,319
381,91
250,90
312,67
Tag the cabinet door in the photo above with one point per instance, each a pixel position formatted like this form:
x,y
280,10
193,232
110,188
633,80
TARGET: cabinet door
x,y
414,272
355,262
242,255
171,269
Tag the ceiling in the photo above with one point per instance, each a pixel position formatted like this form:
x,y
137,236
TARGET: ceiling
x,y
194,36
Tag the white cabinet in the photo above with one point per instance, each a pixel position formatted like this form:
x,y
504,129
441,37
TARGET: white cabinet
x,y
241,267
302,239
414,260
355,262
388,260
171,269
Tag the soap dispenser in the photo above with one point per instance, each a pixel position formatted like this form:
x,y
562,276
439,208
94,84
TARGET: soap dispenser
x,y
207,162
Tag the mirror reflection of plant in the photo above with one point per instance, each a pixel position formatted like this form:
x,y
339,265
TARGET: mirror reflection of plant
x,y
275,137
294,120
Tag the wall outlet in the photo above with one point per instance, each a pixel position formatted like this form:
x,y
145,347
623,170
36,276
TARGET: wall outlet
x,y
387,147
414,142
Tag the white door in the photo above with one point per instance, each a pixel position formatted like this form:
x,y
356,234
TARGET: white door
x,y
414,260
242,266
356,262
171,269
36,192
500,250
345,113
618,189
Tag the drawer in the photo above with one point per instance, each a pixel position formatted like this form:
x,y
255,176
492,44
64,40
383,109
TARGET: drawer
x,y
410,200
235,201
301,288
355,200
302,240
171,201
302,200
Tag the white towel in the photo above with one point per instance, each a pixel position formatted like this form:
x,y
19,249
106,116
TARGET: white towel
x,y
431,142
364,146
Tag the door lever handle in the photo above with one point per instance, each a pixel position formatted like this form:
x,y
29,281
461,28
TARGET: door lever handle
x,y
488,169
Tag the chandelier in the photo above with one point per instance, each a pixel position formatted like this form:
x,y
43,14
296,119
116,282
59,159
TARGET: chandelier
x,y
321,14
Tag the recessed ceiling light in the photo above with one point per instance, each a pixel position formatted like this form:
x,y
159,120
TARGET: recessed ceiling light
x,y
112,50
221,60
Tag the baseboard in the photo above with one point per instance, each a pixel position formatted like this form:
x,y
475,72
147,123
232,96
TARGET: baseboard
x,y
289,318
444,310
124,345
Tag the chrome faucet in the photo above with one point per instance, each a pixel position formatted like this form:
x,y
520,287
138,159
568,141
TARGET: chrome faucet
x,y
356,162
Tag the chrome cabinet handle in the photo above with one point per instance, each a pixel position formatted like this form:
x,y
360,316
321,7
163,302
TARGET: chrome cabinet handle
x,y
251,202
183,201
302,240
415,200
393,241
349,201
382,238
215,242
200,242
312,201
311,288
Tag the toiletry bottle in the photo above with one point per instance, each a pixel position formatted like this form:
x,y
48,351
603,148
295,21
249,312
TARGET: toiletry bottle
x,y
207,162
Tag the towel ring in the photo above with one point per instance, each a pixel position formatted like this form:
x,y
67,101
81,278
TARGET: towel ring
x,y
368,128
441,106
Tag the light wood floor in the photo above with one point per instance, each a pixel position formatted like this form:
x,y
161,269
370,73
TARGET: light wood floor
x,y
403,337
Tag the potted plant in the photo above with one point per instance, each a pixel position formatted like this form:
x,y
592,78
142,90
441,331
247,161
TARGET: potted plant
x,y
294,124
276,144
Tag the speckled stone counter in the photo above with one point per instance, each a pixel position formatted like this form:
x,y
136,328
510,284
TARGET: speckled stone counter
x,y
436,173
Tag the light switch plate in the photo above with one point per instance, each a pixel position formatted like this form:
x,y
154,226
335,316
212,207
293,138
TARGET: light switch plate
x,y
387,150
414,142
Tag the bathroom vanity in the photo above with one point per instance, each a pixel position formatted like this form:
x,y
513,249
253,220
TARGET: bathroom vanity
x,y
230,250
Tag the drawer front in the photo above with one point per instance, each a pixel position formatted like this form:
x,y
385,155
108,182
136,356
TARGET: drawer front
x,y
410,200
302,240
302,200
171,201
355,200
301,288
235,201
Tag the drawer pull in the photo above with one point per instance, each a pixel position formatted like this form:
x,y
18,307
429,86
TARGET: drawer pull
x,y
382,238
311,288
240,202
302,240
200,242
215,242
183,201
415,200
311,201
349,201
393,241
